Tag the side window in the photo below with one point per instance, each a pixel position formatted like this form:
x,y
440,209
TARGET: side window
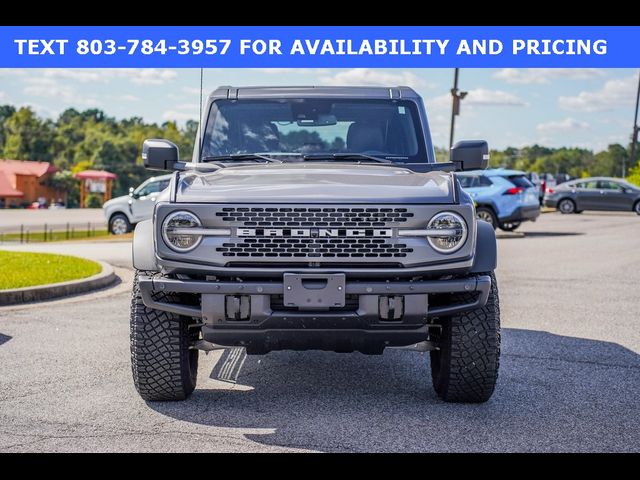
x,y
143,191
150,188
609,185
466,181
591,184
484,181
520,181
163,184
578,185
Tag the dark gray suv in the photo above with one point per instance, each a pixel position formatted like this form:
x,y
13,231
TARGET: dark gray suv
x,y
596,193
315,218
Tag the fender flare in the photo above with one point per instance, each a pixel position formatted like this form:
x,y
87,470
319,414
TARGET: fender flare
x,y
143,249
486,257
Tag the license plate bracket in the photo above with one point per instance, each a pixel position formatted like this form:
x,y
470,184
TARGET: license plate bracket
x,y
310,291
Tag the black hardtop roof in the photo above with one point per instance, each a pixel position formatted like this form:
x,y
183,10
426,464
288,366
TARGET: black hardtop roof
x,y
313,92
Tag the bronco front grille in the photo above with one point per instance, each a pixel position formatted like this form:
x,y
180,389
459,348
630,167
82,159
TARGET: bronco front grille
x,y
346,247
314,217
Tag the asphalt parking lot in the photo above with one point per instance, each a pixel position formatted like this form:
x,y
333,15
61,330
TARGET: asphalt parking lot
x,y
569,376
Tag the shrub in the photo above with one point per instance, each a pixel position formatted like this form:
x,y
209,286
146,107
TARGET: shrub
x,y
634,175
94,201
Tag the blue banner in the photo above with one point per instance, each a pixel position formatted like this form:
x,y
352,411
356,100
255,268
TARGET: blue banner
x,y
319,47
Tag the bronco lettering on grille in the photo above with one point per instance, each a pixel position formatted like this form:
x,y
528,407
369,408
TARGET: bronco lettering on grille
x,y
314,232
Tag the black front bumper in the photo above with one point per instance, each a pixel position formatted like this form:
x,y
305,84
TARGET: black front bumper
x,y
522,214
265,326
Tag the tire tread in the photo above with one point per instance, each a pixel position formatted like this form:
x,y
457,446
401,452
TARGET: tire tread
x,y
470,357
160,355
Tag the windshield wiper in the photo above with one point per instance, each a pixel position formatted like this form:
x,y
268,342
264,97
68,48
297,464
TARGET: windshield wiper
x,y
345,156
240,156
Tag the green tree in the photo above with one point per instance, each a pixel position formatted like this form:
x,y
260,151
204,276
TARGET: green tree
x,y
27,137
6,111
64,182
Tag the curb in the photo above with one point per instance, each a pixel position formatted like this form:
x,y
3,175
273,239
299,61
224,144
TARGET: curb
x,y
39,293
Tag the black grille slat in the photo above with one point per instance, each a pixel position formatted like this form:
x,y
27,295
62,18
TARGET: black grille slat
x,y
292,249
311,216
313,247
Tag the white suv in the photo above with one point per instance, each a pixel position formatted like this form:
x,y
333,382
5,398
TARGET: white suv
x,y
122,213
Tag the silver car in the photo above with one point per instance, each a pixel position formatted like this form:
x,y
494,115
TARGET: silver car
x,y
123,213
596,193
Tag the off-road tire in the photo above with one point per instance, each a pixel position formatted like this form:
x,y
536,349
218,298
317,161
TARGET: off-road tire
x,y
465,368
163,365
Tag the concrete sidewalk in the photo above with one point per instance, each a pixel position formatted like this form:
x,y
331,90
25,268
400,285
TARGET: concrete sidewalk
x,y
10,219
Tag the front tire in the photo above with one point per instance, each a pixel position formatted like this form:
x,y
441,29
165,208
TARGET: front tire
x,y
636,207
119,224
465,368
164,366
566,206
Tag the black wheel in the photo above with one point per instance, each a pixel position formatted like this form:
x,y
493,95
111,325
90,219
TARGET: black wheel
x,y
509,226
465,368
566,206
119,224
486,214
163,364
636,207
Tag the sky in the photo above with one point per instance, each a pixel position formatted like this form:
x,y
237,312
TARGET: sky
x,y
587,107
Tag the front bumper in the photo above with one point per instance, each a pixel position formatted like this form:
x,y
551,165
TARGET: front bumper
x,y
522,214
265,325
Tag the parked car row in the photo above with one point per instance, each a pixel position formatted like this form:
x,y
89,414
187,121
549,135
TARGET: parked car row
x,y
596,193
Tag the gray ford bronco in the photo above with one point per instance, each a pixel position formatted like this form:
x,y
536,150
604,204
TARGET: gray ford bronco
x,y
315,218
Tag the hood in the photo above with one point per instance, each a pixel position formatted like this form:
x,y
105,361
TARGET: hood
x,y
317,183
124,199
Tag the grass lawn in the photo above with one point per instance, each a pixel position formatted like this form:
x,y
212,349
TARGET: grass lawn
x,y
26,269
53,236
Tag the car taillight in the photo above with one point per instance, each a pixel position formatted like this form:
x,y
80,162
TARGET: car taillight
x,y
514,191
549,190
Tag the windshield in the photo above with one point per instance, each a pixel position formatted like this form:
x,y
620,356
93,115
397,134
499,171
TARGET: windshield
x,y
626,184
295,127
151,186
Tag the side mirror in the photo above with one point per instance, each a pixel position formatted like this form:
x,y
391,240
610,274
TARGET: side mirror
x,y
160,154
470,155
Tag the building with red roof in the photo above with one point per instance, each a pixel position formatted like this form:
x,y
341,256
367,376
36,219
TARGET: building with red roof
x,y
23,182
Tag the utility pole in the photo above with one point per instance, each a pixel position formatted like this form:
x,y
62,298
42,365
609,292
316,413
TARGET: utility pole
x,y
456,95
634,135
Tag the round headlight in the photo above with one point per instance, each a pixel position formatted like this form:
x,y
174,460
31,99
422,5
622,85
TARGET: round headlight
x,y
453,232
175,231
